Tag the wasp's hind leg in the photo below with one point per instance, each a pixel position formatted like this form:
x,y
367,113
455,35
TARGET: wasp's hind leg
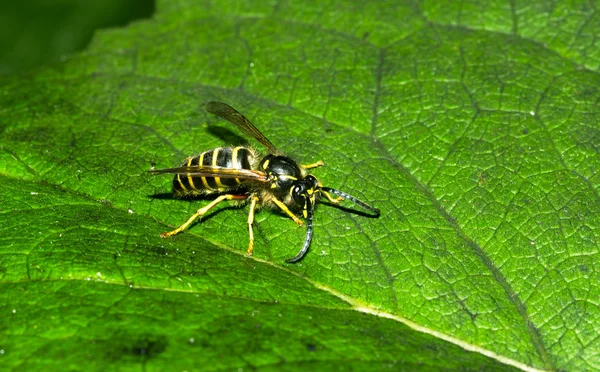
x,y
250,222
202,212
313,165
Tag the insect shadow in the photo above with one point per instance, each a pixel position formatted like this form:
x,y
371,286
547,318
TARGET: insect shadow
x,y
349,209
226,135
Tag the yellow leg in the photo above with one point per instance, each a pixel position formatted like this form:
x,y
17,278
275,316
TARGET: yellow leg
x,y
314,165
250,221
331,200
202,212
288,212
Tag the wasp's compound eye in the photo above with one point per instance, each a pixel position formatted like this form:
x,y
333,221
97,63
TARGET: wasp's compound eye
x,y
298,194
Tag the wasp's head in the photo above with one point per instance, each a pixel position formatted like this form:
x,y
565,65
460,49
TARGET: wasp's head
x,y
305,193
305,190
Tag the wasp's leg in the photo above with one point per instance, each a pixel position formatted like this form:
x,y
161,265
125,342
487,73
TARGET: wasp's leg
x,y
202,212
287,211
332,200
250,221
313,165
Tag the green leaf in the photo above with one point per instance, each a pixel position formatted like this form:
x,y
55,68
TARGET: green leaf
x,y
474,127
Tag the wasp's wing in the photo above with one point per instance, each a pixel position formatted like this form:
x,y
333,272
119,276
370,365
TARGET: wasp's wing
x,y
207,171
230,114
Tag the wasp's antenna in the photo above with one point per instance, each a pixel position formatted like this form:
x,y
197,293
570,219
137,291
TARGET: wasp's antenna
x,y
352,199
309,232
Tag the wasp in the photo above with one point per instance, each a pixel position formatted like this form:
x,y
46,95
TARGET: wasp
x,y
242,174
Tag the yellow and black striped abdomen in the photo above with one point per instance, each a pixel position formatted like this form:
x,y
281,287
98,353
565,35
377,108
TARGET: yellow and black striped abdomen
x,y
226,157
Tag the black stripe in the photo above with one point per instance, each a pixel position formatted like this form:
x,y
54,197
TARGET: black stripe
x,y
177,186
188,179
181,184
208,161
224,159
243,159
197,181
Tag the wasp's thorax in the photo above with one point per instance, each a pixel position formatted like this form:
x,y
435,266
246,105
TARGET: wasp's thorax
x,y
288,181
282,172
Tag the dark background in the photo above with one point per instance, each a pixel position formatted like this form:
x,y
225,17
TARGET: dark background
x,y
39,32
